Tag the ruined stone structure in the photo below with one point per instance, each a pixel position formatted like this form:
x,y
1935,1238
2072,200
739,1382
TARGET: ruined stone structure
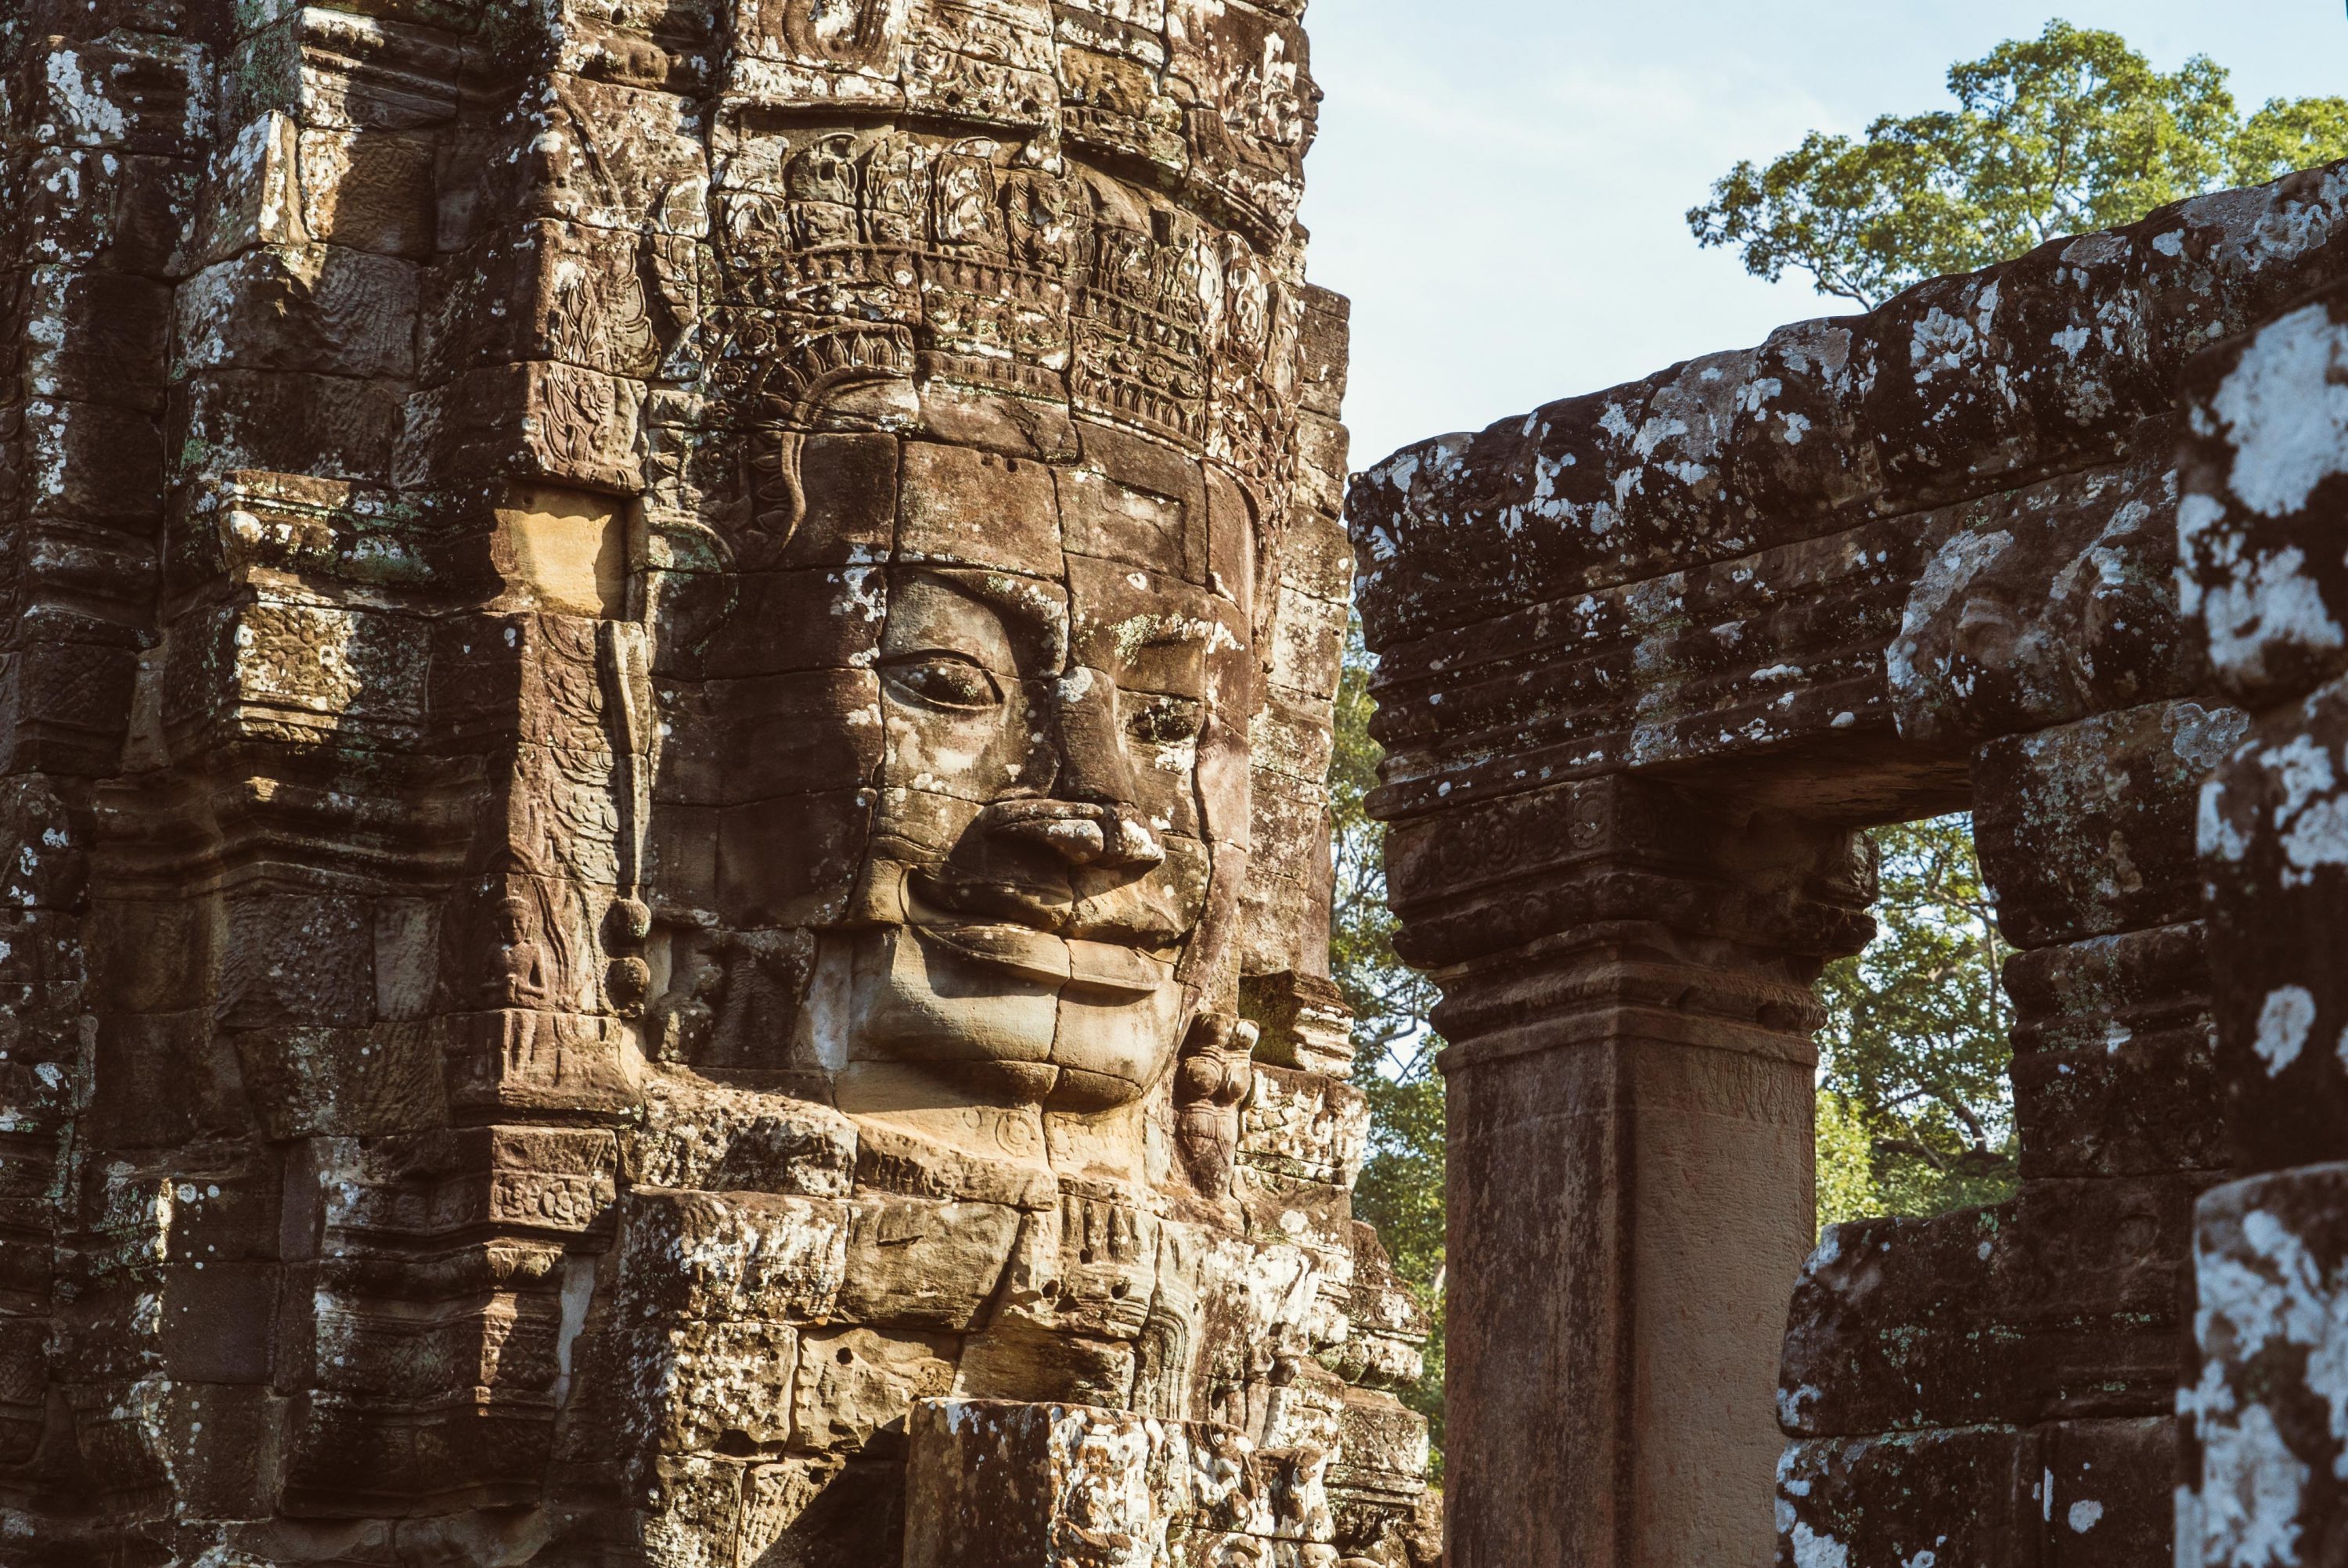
x,y
2018,542
665,731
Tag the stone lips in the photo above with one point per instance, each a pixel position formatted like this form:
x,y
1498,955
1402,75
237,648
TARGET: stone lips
x,y
475,459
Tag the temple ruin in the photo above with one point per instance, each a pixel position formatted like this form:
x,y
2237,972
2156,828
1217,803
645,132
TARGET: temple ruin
x,y
666,729
2056,543
664,740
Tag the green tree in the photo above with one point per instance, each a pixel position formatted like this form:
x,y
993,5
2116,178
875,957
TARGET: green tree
x,y
2069,131
1915,1109
1846,1164
1401,1187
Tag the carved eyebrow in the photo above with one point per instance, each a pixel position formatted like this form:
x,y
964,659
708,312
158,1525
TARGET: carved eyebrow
x,y
1035,608
1173,628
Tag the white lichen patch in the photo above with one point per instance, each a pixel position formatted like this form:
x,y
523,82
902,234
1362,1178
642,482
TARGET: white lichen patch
x,y
2269,602
2284,1023
2285,408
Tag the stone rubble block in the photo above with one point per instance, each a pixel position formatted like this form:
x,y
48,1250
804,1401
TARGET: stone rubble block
x,y
1958,1497
339,70
2087,830
291,422
1382,1447
1303,1019
129,91
2053,602
744,1256
2115,1066
91,462
1304,1126
2039,364
2075,1494
2100,1302
128,212
95,336
2267,1447
323,308
2260,571
1900,1324
698,1136
994,1484
917,1264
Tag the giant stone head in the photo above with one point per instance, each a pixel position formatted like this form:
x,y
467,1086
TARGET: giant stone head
x,y
713,824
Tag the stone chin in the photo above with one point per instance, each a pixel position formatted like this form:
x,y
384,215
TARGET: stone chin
x,y
1014,1013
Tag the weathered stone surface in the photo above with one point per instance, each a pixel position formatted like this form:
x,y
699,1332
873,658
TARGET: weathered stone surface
x,y
2115,1071
2273,849
2259,565
671,685
1902,1324
2268,1256
1635,646
2084,830
2087,1494
2055,603
1014,1484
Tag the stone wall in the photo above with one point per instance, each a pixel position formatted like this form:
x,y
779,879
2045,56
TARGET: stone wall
x,y
2260,536
1648,658
664,741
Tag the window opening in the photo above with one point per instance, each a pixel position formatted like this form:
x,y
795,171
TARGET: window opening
x,y
1915,1097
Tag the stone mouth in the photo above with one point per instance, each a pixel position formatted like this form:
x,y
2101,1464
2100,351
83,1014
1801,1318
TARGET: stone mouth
x,y
1117,968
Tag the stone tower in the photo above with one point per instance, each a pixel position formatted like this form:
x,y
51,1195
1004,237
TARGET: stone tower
x,y
664,739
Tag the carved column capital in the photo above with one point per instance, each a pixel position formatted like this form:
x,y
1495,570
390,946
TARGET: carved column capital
x,y
1575,913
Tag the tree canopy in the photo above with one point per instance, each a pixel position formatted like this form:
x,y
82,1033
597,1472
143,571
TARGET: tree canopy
x,y
2069,131
1915,1109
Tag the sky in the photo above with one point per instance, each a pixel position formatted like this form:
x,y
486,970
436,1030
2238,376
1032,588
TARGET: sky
x,y
1501,185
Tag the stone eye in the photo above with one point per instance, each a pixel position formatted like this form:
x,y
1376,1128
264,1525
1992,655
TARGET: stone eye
x,y
946,681
1165,722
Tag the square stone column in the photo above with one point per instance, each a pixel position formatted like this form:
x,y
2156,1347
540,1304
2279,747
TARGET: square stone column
x,y
1626,970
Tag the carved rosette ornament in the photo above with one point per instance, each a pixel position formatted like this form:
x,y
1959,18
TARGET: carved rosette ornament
x,y
680,835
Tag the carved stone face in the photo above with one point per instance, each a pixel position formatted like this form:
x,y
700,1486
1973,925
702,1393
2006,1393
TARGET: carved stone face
x,y
1038,874
1045,701
1032,899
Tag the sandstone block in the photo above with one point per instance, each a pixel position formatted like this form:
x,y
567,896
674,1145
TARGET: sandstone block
x,y
855,1387
2083,830
2264,1445
916,1265
1140,1486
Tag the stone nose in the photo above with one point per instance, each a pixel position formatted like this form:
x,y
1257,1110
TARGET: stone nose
x,y
1080,832
1091,765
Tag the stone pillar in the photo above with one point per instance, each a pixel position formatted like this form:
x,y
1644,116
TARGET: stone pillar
x,y
1626,970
